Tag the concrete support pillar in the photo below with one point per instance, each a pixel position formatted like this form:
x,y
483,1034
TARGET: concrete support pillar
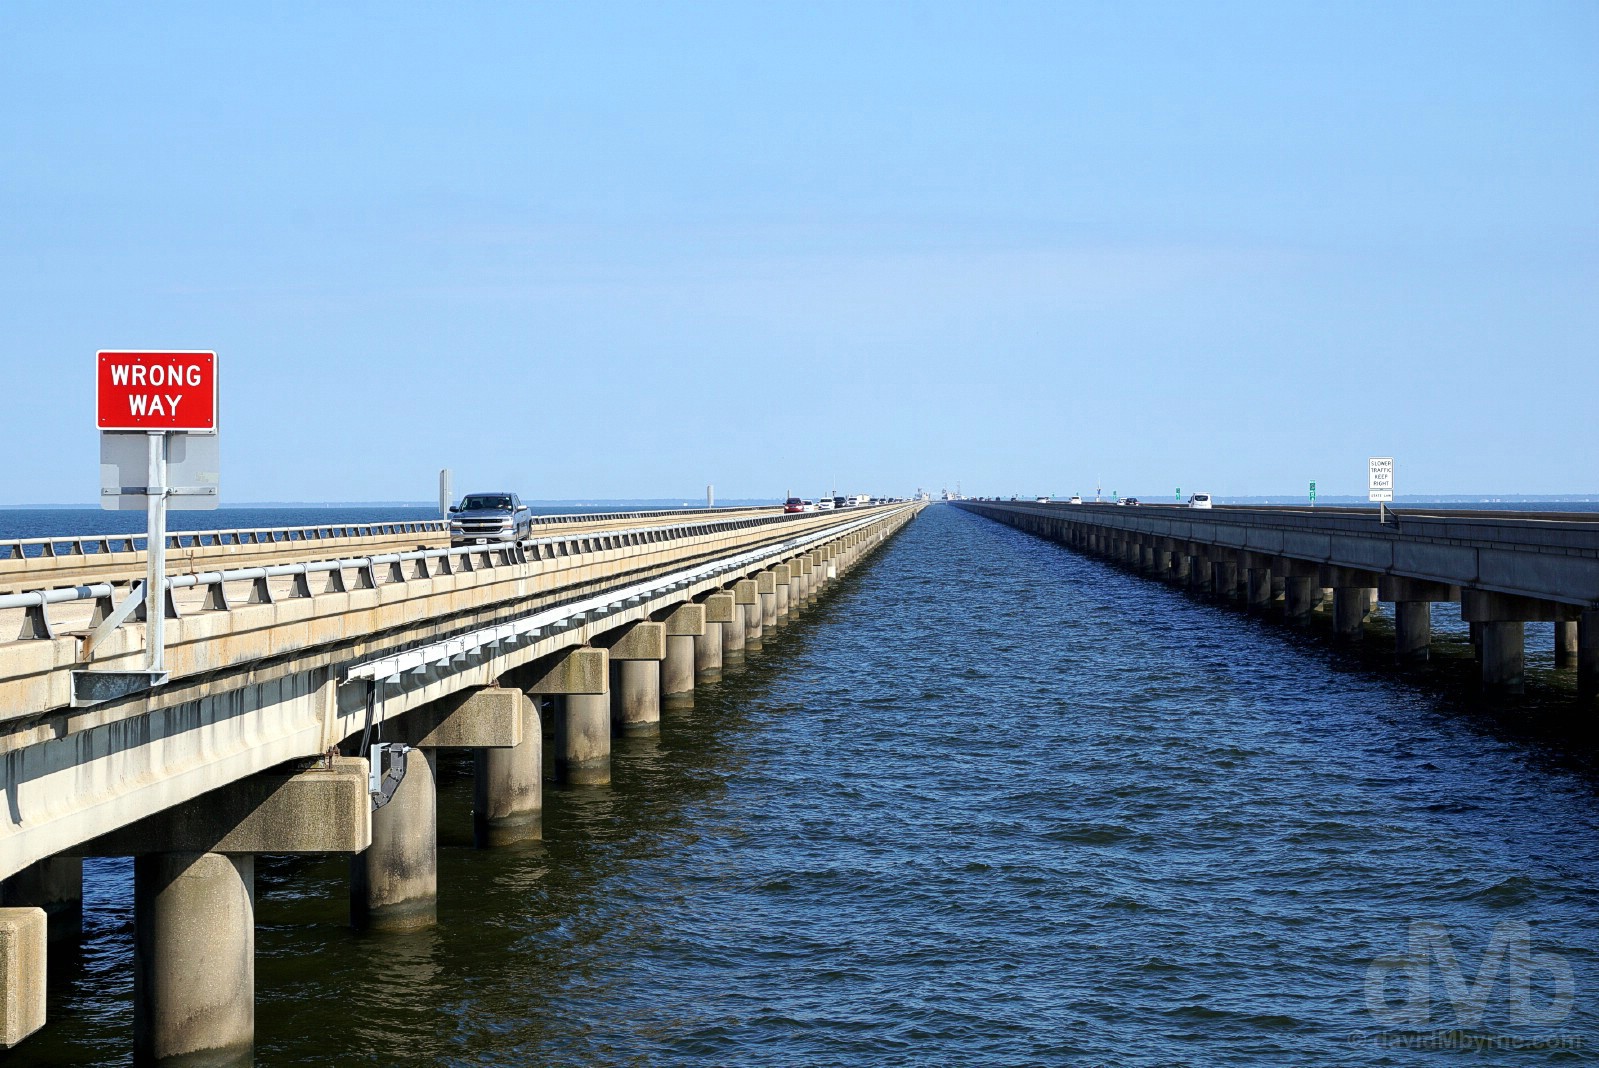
x,y
678,669
1224,578
194,958
782,579
583,739
1566,643
394,885
1588,654
733,632
1258,589
746,593
1504,656
23,961
1199,574
1301,595
1161,564
1181,568
766,582
720,622
1412,630
636,696
580,681
54,885
508,786
708,653
1349,612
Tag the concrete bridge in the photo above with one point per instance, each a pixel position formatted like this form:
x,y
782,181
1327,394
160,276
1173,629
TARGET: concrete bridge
x,y
304,673
1504,569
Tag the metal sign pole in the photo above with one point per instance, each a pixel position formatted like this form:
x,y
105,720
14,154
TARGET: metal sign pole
x,y
155,576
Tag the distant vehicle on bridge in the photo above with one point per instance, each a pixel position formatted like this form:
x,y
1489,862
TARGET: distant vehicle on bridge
x,y
482,518
1128,501
794,504
825,504
1042,500
1077,498
1199,500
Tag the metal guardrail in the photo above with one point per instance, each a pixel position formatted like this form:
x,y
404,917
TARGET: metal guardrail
x,y
98,544
37,625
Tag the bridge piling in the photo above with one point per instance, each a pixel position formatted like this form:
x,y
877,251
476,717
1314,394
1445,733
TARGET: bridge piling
x,y
194,958
1588,654
580,682
394,884
508,785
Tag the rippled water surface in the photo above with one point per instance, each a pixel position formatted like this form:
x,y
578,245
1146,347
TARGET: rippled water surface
x,y
990,803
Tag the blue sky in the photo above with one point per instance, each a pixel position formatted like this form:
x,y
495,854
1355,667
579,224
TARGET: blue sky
x,y
623,250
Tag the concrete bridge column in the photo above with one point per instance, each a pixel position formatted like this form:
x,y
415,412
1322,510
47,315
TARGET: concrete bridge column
x,y
1224,578
1566,639
23,963
1161,564
708,647
782,579
746,593
1258,589
194,958
1353,593
685,628
194,899
1412,600
766,583
636,654
1199,572
580,682
54,885
1182,565
1301,595
394,885
508,785
733,630
501,726
1501,623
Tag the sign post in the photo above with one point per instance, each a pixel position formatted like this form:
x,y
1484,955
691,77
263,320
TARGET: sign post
x,y
1380,484
165,402
1313,493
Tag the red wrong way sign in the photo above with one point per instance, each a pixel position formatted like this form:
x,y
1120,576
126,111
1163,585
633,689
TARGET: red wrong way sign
x,y
156,390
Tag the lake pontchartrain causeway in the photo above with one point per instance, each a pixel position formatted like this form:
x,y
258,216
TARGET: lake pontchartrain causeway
x,y
949,792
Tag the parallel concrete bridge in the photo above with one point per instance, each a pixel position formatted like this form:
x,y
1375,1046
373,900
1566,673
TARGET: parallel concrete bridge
x,y
1504,569
307,669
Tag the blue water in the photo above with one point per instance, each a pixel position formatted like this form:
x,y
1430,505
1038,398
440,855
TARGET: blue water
x,y
990,803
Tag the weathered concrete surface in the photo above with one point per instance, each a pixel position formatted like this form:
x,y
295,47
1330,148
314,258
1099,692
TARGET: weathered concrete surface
x,y
1412,630
583,671
508,785
708,653
636,696
23,938
487,717
677,670
641,641
394,884
583,739
194,958
323,809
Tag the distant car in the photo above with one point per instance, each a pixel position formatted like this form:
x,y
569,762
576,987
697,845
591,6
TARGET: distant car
x,y
843,502
807,506
1199,500
824,504
1041,500
481,518
1076,499
794,504
1130,501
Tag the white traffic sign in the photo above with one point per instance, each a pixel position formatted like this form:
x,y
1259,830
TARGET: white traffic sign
x,y
1380,486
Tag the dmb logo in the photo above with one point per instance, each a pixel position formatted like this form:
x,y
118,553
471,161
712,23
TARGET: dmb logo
x,y
1512,985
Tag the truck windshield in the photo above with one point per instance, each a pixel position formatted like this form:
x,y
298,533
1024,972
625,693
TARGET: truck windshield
x,y
476,502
